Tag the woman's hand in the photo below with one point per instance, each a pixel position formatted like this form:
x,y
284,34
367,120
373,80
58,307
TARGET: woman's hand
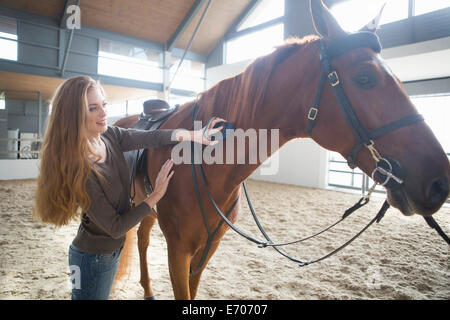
x,y
203,135
161,183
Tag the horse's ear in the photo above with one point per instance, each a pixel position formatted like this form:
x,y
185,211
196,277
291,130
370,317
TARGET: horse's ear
x,y
324,22
373,25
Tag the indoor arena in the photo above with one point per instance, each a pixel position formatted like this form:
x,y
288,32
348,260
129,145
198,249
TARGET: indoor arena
x,y
224,150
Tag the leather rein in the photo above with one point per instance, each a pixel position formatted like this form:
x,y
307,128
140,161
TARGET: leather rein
x,y
388,172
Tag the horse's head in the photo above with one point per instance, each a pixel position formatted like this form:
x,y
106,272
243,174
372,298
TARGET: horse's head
x,y
379,122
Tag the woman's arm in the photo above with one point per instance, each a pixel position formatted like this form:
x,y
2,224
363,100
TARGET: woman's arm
x,y
116,225
201,136
105,216
132,139
161,183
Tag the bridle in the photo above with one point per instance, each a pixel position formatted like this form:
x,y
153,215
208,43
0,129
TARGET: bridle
x,y
363,138
388,172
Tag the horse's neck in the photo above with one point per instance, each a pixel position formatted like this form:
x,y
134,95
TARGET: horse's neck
x,y
286,102
226,177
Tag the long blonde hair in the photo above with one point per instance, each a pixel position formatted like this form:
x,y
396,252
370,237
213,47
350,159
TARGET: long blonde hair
x,y
65,166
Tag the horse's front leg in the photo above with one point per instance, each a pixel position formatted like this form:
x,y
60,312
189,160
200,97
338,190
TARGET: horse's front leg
x,y
145,227
143,242
179,263
194,280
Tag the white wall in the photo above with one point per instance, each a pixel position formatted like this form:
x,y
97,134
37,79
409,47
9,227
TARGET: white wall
x,y
301,162
217,74
19,169
421,60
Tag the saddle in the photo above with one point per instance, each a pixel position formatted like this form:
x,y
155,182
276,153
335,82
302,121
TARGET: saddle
x,y
155,113
156,110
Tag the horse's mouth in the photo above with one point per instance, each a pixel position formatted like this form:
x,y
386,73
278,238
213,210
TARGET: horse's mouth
x,y
398,199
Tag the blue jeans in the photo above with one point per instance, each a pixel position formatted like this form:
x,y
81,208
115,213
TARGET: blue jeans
x,y
92,275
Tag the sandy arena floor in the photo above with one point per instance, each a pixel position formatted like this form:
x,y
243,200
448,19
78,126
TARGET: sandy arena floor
x,y
400,258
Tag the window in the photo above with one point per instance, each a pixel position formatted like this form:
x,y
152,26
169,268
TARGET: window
x,y
265,11
190,75
255,44
115,111
340,174
176,99
352,15
136,106
2,101
436,111
252,44
125,61
128,107
425,6
8,30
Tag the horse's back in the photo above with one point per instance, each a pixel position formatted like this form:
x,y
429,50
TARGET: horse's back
x,y
127,122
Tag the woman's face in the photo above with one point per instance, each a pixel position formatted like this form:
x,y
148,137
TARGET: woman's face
x,y
96,112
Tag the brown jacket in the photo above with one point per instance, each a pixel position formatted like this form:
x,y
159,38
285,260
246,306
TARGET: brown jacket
x,y
104,226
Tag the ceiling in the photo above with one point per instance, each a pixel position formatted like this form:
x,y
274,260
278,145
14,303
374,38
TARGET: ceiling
x,y
158,21
25,87
153,20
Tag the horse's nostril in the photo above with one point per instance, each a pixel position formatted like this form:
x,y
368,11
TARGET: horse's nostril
x,y
438,191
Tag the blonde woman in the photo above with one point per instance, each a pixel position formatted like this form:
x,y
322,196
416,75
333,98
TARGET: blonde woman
x,y
83,170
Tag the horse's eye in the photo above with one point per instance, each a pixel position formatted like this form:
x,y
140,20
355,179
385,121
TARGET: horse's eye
x,y
365,81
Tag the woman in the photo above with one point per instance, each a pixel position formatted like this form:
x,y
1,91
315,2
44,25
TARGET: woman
x,y
83,170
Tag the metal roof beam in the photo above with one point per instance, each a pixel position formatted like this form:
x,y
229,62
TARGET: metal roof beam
x,y
184,24
69,43
244,15
65,15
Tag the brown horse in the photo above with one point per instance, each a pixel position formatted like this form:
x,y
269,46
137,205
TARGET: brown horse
x,y
277,91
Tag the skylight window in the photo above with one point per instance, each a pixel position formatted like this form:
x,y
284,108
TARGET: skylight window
x,y
352,15
265,11
190,76
436,112
8,30
425,6
255,44
125,61
2,101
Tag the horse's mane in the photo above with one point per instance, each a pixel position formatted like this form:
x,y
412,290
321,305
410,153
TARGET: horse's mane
x,y
229,97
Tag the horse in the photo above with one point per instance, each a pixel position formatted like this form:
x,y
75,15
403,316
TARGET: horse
x,y
279,90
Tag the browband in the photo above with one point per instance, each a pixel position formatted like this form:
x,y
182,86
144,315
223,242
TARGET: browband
x,y
352,41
